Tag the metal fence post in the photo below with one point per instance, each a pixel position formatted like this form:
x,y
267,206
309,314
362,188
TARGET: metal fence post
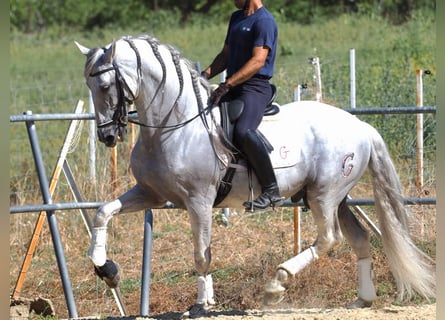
x,y
52,222
146,262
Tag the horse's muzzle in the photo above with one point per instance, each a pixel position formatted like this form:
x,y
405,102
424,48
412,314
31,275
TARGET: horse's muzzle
x,y
107,136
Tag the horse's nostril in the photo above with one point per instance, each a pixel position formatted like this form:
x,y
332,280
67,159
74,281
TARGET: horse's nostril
x,y
110,141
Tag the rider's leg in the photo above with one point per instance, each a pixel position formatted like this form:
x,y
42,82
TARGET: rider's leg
x,y
258,157
256,93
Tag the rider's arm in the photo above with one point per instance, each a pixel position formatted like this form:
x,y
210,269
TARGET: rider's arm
x,y
218,65
252,66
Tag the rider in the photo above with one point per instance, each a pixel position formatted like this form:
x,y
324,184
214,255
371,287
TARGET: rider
x,y
248,56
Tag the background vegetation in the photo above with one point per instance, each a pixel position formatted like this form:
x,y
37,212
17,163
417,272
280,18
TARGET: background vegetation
x,y
29,15
391,38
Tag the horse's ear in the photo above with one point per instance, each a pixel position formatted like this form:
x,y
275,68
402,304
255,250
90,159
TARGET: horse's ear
x,y
109,54
82,49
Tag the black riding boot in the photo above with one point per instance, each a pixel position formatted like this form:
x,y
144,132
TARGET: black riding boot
x,y
258,156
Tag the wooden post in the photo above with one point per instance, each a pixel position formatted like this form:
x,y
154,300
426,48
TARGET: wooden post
x,y
114,171
114,183
419,140
419,129
297,230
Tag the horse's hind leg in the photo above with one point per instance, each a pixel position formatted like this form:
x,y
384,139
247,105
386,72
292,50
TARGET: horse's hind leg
x,y
325,216
358,238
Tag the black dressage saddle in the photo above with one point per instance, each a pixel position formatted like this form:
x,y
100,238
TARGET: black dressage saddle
x,y
232,110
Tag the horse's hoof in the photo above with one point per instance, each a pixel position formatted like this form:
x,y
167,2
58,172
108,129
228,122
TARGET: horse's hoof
x,y
195,311
109,272
359,304
273,293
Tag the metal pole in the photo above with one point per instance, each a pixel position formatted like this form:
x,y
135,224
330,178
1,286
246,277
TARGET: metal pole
x,y
316,62
287,203
222,76
146,262
362,214
92,142
297,93
52,221
52,186
352,75
77,196
198,66
89,225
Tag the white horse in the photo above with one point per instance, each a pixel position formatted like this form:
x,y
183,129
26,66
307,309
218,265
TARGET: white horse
x,y
320,152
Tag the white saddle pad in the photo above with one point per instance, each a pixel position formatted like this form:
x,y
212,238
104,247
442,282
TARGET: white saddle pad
x,y
286,151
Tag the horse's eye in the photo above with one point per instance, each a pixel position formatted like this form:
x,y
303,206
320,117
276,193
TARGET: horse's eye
x,y
105,87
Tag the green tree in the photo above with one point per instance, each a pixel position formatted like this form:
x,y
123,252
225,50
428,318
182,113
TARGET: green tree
x,y
35,16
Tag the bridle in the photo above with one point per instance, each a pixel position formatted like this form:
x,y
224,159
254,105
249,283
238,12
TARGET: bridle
x,y
120,116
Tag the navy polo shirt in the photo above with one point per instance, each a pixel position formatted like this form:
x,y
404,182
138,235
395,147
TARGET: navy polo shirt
x,y
246,32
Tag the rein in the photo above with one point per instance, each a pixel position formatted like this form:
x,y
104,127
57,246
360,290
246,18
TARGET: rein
x,y
121,114
173,126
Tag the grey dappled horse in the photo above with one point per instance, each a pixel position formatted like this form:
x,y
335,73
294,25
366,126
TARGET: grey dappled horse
x,y
180,157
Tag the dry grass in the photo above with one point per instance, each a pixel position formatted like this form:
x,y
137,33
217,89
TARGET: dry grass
x,y
245,255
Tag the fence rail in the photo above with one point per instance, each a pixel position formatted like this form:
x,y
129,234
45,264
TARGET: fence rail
x,y
287,203
91,116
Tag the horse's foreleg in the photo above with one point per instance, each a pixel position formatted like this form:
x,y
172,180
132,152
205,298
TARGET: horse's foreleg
x,y
358,238
97,252
205,290
133,200
201,224
203,257
105,269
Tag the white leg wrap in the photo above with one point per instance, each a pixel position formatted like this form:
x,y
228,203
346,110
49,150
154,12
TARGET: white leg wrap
x,y
97,252
366,290
205,290
297,263
209,289
202,292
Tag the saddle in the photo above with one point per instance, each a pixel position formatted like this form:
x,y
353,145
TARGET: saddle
x,y
230,112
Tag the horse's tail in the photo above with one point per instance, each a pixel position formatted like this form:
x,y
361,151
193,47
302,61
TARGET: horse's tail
x,y
412,269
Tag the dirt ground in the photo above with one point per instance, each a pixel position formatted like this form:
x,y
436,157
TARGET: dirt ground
x,y
423,312
245,256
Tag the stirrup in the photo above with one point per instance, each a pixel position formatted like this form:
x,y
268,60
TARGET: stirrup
x,y
263,202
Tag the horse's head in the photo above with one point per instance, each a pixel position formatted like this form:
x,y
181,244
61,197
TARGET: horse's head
x,y
112,90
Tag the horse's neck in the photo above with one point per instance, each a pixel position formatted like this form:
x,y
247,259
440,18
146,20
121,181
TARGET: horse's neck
x,y
169,95
170,92
170,106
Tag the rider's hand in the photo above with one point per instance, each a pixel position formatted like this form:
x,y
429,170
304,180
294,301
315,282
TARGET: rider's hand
x,y
205,75
219,92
